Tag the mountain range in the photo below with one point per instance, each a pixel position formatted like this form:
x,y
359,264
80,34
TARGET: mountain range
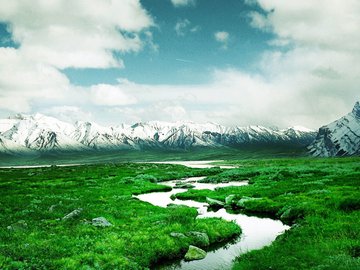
x,y
40,133
36,134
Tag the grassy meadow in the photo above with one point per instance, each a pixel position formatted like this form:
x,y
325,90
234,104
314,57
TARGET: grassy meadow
x,y
34,201
320,198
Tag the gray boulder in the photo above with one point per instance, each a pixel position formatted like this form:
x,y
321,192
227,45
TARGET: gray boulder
x,y
178,235
199,238
73,214
100,222
195,253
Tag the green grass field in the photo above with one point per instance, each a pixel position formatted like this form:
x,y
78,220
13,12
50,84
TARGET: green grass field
x,y
34,201
319,197
200,153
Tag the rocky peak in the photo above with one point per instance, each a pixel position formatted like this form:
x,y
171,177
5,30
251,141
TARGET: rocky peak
x,y
356,109
339,138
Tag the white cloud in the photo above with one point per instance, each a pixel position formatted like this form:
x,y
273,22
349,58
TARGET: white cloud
x,y
22,80
150,41
259,20
222,37
59,34
327,24
168,111
68,113
76,34
183,3
183,26
320,66
195,29
110,95
310,82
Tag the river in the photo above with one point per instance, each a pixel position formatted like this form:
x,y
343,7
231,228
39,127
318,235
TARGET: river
x,y
256,232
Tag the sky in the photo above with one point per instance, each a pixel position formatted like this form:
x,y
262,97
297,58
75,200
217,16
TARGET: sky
x,y
234,62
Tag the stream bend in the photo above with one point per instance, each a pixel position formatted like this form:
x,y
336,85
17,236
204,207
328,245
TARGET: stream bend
x,y
256,232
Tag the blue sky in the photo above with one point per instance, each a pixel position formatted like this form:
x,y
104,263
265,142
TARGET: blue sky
x,y
200,50
234,62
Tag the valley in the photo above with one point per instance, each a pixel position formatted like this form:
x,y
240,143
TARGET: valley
x,y
318,198
179,135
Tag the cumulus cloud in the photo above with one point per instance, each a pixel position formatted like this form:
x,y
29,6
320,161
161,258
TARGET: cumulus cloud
x,y
320,65
76,34
183,3
22,80
222,37
53,35
310,23
310,75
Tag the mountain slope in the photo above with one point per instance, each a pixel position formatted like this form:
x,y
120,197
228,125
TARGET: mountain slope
x,y
339,138
39,133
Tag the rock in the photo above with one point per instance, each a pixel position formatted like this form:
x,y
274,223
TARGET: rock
x,y
195,253
214,203
183,185
18,226
100,222
199,238
241,203
229,200
178,235
73,214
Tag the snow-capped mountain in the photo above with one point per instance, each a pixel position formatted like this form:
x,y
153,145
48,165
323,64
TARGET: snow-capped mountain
x,y
339,138
40,133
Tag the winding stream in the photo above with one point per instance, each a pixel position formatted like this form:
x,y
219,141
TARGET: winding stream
x,y
256,232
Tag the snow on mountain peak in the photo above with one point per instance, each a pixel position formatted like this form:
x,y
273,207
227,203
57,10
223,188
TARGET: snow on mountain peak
x,y
301,129
18,116
339,138
42,133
